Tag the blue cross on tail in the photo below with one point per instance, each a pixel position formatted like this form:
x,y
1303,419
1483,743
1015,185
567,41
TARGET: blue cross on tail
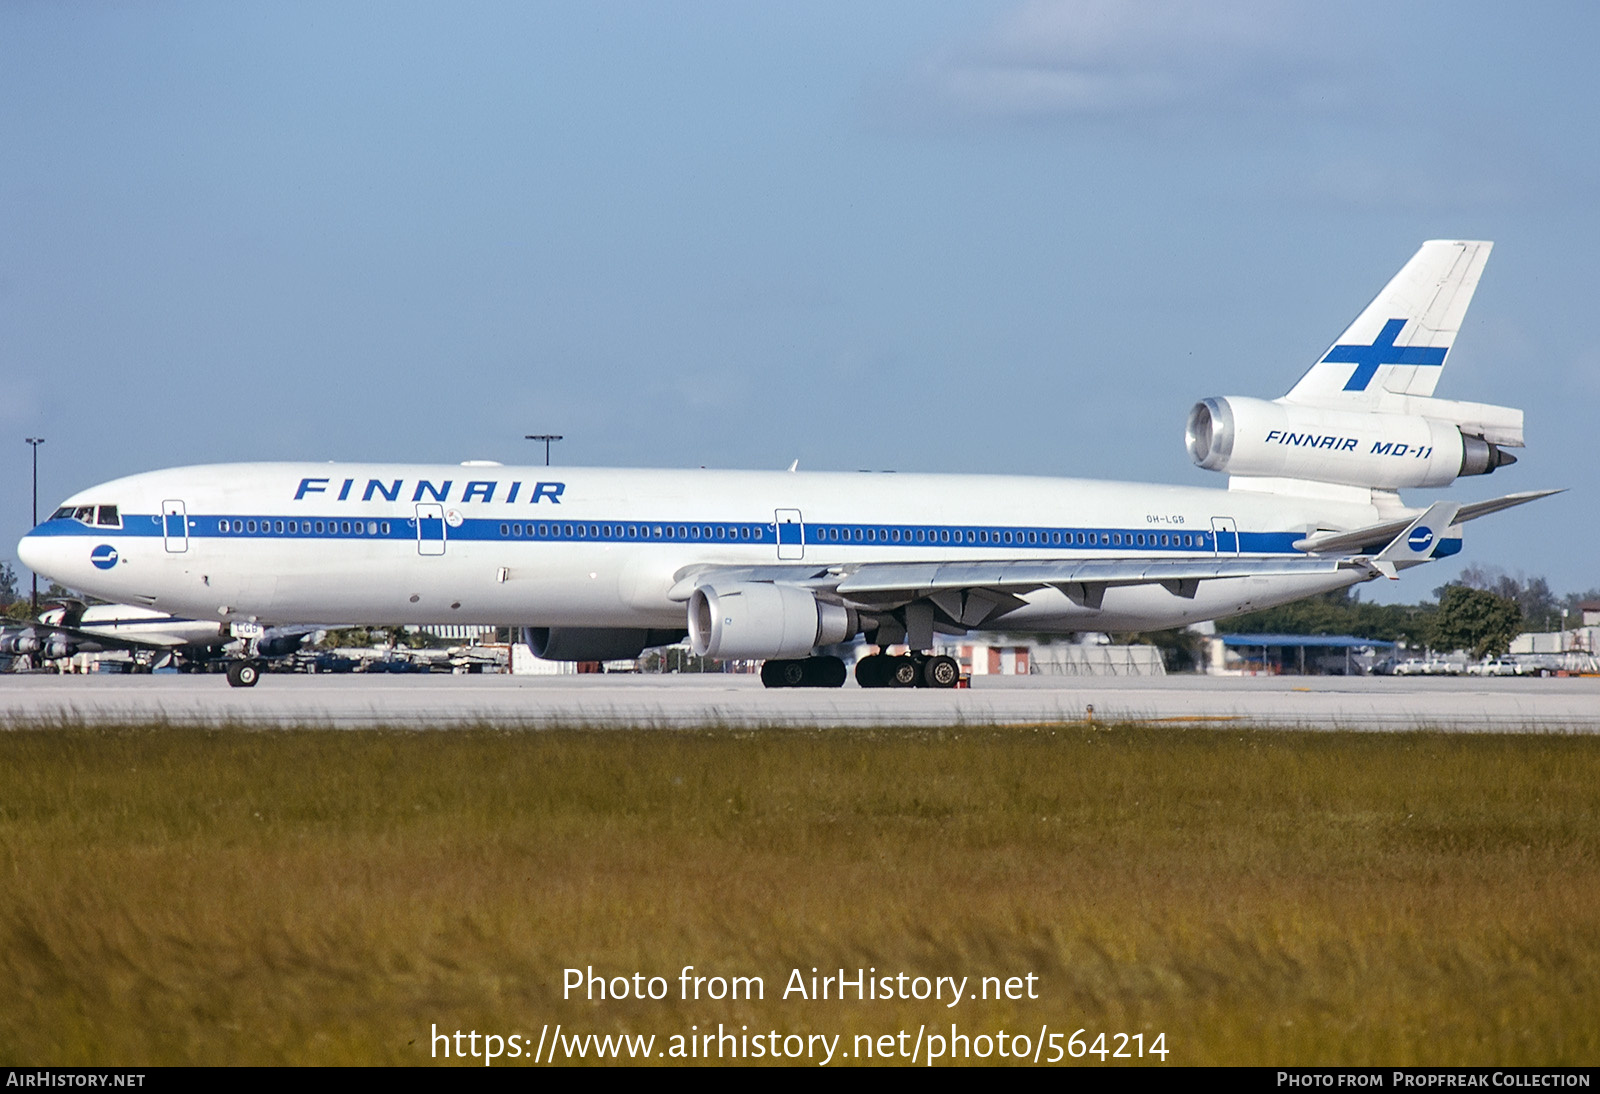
x,y
1383,351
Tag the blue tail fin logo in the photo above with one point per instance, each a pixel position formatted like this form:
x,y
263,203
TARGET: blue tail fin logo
x,y
1383,351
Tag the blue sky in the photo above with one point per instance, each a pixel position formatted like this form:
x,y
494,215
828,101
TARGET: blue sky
x,y
1009,237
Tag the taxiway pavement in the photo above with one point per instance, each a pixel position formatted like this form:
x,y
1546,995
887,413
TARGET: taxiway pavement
x,y
1373,703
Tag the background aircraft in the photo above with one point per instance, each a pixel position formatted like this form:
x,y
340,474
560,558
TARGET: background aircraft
x,y
154,638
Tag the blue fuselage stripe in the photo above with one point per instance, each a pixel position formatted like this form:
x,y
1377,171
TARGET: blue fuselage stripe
x,y
812,534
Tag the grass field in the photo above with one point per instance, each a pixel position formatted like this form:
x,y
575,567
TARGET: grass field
x,y
232,896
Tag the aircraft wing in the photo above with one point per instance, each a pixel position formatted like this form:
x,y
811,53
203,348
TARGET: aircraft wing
x,y
973,593
1376,536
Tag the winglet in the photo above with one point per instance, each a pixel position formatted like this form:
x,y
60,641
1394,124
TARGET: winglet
x,y
1418,541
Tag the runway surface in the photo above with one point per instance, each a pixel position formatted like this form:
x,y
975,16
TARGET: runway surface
x,y
1377,703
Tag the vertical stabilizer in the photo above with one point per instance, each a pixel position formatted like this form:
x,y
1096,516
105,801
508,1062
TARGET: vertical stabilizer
x,y
1397,346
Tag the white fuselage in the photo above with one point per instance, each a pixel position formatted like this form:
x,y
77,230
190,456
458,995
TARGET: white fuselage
x,y
596,547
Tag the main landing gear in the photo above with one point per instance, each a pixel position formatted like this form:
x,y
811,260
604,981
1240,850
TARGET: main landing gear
x,y
243,674
912,670
878,670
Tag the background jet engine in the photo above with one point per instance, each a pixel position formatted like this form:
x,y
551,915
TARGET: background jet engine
x,y
594,643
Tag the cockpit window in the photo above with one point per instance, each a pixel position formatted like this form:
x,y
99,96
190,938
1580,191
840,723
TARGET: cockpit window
x,y
105,516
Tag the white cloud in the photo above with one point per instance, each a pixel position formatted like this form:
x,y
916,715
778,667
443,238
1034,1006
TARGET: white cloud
x,y
1089,58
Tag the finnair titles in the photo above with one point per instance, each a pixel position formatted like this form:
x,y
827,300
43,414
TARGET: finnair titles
x,y
791,567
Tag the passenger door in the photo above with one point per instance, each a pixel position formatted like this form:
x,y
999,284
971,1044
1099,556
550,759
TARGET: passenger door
x,y
430,528
175,527
791,535
1224,537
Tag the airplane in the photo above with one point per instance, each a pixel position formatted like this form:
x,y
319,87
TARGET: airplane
x,y
782,566
69,627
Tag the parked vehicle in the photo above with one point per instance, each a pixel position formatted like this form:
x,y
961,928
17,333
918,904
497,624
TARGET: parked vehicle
x,y
1432,666
1498,666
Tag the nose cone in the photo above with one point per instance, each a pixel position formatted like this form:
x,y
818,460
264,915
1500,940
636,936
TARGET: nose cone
x,y
33,553
52,556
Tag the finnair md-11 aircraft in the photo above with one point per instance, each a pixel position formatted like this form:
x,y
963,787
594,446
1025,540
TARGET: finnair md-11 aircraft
x,y
603,563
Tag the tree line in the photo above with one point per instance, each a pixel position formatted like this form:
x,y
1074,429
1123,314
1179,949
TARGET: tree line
x,y
1481,611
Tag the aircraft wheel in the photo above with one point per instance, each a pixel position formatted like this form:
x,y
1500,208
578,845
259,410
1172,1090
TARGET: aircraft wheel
x,y
940,672
776,673
243,674
903,672
825,672
809,672
871,671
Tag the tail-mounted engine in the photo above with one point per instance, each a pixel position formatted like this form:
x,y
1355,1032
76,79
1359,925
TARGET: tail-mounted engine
x,y
1257,438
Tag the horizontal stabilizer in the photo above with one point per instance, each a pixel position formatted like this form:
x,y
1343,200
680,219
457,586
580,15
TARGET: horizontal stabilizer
x,y
1418,540
1375,536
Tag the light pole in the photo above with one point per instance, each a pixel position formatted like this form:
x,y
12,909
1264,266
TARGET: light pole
x,y
546,438
35,442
